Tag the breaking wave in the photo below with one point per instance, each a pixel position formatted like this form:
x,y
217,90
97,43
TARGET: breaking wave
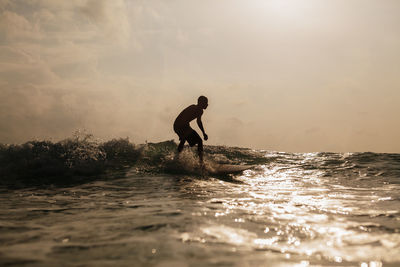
x,y
82,158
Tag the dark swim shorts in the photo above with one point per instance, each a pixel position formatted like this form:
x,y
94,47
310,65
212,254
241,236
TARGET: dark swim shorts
x,y
188,134
193,138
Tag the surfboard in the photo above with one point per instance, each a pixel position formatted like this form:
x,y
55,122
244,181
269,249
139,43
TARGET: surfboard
x,y
224,169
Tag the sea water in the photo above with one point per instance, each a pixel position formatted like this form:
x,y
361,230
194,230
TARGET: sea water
x,y
290,209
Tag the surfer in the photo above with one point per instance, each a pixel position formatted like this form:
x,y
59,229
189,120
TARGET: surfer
x,y
185,132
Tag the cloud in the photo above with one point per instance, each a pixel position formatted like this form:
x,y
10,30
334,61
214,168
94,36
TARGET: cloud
x,y
49,54
111,16
65,39
16,27
128,68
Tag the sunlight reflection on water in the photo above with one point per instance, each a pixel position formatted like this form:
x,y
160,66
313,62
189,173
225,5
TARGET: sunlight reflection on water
x,y
283,214
306,216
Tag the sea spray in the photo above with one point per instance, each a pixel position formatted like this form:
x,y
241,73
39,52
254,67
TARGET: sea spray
x,y
72,159
82,158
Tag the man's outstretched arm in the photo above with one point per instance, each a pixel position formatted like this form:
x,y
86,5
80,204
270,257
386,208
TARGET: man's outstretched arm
x,y
200,124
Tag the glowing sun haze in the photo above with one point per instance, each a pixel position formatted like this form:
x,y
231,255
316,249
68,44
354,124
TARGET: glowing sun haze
x,y
280,75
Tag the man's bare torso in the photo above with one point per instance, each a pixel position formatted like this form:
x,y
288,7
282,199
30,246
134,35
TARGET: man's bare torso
x,y
188,114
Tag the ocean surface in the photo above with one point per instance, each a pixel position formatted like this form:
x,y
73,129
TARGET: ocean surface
x,y
289,209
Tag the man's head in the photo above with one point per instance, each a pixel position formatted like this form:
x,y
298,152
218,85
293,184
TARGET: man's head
x,y
202,101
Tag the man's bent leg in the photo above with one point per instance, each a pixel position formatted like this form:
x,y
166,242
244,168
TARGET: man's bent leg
x,y
195,139
180,146
200,150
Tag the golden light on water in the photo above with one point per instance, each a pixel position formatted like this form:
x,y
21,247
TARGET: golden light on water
x,y
301,214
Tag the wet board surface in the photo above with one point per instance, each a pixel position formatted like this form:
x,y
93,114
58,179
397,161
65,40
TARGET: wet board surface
x,y
228,169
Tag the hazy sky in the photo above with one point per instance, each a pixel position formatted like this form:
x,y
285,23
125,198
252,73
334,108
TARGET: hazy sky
x,y
281,75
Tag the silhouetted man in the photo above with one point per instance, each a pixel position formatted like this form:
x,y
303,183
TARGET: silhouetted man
x,y
185,132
